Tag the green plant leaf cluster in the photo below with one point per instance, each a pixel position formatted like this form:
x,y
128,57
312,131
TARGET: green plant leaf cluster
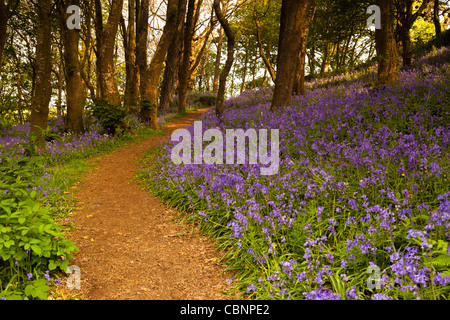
x,y
31,242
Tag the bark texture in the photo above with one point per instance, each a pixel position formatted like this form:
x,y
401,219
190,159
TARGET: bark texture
x,y
230,57
436,21
299,80
386,45
217,62
109,91
129,36
187,52
3,34
151,74
74,97
172,60
41,97
289,46
405,20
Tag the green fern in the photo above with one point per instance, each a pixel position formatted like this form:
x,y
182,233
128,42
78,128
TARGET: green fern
x,y
440,261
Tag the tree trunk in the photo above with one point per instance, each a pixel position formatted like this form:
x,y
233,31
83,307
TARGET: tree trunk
x,y
60,78
149,100
436,21
109,91
142,7
244,72
330,49
3,30
386,46
217,62
19,91
298,87
405,19
266,61
186,62
405,39
6,11
87,48
207,70
200,53
173,55
299,80
263,83
170,73
131,83
289,46
41,98
74,95
230,57
311,60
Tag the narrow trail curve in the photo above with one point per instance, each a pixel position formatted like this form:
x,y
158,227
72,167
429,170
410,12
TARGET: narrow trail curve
x,y
122,236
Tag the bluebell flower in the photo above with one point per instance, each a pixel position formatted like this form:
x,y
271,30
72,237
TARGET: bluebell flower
x,y
381,296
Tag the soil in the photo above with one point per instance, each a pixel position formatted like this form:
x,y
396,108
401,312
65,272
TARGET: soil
x,y
131,245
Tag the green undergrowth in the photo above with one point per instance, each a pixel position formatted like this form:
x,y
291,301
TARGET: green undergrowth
x,y
35,206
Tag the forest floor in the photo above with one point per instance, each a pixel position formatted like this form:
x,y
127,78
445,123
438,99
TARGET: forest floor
x,y
131,245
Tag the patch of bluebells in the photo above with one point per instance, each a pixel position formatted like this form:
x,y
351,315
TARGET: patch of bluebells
x,y
363,180
69,146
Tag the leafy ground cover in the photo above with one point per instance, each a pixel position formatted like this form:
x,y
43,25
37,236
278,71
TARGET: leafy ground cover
x,y
360,206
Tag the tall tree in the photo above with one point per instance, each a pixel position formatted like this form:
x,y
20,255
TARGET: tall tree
x,y
187,52
6,11
299,78
436,20
129,41
200,50
106,39
385,45
230,56
405,20
217,61
172,60
151,74
87,48
142,8
3,28
74,97
41,97
289,46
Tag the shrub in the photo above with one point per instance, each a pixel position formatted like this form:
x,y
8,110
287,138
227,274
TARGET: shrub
x,y
31,243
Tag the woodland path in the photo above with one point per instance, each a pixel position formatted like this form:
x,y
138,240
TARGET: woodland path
x,y
122,233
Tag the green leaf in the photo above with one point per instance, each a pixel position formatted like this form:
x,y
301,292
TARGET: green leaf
x,y
442,260
52,265
29,289
36,249
37,289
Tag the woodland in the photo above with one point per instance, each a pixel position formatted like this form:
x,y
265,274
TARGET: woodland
x,y
359,90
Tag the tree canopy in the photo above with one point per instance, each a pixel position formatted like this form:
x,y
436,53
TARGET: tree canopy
x,y
138,56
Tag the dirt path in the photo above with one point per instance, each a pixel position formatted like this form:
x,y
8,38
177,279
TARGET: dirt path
x,y
122,236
